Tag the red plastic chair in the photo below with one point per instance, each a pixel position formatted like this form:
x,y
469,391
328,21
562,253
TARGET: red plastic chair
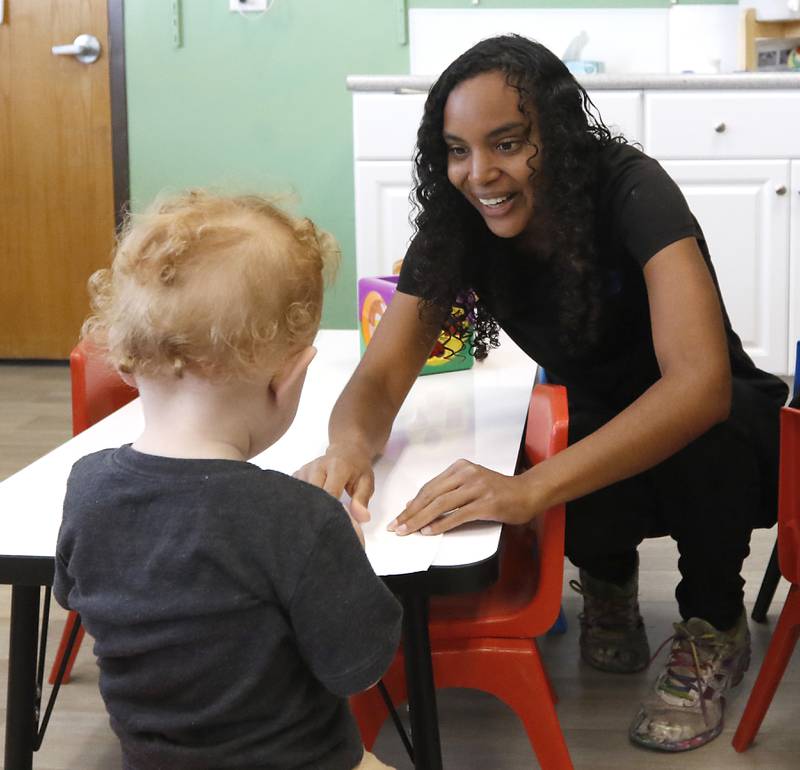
x,y
787,631
485,641
97,391
772,575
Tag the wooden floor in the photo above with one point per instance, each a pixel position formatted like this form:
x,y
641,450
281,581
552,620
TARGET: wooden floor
x,y
478,733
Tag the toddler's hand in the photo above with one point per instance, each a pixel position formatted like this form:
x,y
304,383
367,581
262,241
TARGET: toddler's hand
x,y
359,531
343,469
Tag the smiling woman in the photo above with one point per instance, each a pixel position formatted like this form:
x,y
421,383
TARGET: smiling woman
x,y
521,116
585,252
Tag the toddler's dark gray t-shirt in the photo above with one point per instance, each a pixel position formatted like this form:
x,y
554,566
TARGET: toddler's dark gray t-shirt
x,y
232,609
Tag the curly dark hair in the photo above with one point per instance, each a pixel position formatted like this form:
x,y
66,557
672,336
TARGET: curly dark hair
x,y
572,133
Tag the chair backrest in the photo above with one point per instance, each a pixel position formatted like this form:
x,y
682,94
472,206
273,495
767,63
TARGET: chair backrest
x,y
789,496
545,436
525,600
97,388
532,556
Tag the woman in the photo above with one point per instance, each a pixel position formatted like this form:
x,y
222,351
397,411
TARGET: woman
x,y
584,251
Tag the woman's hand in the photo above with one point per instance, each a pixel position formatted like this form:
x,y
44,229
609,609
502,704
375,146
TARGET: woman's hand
x,y
343,469
468,492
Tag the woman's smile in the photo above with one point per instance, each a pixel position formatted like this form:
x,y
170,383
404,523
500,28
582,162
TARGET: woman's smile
x,y
497,205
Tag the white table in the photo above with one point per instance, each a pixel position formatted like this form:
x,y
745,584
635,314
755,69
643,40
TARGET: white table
x,y
477,414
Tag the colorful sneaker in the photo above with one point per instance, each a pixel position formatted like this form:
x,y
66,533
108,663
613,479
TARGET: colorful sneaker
x,y
612,630
686,707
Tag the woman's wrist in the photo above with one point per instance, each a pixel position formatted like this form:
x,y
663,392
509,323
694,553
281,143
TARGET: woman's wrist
x,y
538,490
352,446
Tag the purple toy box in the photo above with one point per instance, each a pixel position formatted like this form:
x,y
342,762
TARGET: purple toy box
x,y
451,351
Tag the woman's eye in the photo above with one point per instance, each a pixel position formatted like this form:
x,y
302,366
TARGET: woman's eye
x,y
509,145
456,151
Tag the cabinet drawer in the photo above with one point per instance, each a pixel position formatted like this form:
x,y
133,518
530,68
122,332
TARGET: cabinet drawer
x,y
385,125
621,112
722,124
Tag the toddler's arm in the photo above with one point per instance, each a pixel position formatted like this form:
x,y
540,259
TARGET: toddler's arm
x,y
347,622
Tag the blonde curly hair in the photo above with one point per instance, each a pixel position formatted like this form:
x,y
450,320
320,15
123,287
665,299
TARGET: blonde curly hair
x,y
222,286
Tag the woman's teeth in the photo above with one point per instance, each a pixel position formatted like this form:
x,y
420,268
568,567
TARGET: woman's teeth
x,y
494,201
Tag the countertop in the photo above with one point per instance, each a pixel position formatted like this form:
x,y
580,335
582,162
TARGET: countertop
x,y
739,80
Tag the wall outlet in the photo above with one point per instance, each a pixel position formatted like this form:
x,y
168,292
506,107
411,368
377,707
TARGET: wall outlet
x,y
247,6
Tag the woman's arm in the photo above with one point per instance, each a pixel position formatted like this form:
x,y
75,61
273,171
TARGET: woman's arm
x,y
692,394
362,417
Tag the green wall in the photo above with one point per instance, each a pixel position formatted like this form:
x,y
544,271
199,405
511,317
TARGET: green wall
x,y
257,105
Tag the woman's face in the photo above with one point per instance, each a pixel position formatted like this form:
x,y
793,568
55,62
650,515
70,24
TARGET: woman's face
x,y
492,150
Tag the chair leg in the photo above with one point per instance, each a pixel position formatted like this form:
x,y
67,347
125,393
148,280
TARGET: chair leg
x,y
62,649
511,670
769,583
550,688
780,650
368,708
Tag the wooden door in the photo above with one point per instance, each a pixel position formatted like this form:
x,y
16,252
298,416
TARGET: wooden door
x,y
56,180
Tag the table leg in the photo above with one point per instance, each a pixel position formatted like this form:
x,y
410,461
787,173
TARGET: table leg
x,y
21,700
420,685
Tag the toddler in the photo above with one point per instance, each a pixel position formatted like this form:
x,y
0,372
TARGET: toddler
x,y
233,609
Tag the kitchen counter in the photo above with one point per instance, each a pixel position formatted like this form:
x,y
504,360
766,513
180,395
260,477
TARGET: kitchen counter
x,y
740,80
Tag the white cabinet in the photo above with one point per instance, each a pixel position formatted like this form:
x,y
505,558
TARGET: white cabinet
x,y
722,124
734,153
385,125
621,112
384,134
745,219
731,153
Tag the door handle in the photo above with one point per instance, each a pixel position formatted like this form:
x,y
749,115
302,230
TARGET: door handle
x,y
85,48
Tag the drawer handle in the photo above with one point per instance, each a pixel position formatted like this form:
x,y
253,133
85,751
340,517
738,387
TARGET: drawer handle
x,y
781,190
720,127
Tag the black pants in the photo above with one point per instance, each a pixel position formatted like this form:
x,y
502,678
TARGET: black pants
x,y
707,497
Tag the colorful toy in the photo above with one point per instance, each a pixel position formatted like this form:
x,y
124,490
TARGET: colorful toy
x,y
451,351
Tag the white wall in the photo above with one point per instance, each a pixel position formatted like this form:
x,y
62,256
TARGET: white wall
x,y
701,38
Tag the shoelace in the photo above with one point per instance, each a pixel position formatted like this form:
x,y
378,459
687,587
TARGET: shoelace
x,y
605,612
678,658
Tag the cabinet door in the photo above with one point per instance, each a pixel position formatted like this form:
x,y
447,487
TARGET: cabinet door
x,y
383,210
743,209
794,266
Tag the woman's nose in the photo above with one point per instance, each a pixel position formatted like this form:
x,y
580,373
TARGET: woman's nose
x,y
483,168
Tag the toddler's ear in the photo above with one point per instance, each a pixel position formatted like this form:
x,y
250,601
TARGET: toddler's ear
x,y
292,373
128,378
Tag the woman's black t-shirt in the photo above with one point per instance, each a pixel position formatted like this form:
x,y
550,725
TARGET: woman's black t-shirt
x,y
640,210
